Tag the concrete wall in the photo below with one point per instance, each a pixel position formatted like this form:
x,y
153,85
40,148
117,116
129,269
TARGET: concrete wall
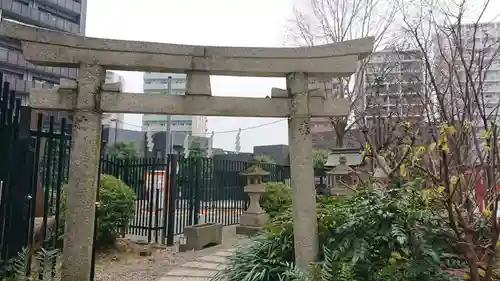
x,y
280,153
177,141
137,137
234,157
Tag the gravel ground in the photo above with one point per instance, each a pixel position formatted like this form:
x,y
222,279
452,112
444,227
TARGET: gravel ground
x,y
154,267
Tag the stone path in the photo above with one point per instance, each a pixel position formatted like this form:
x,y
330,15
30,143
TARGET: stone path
x,y
201,269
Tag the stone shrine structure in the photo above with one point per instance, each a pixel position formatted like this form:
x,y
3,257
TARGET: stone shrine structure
x,y
88,98
252,220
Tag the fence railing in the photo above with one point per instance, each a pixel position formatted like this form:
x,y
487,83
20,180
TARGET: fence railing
x,y
16,204
175,192
172,192
33,171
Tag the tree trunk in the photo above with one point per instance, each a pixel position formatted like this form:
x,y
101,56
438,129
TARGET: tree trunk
x,y
339,142
340,133
474,271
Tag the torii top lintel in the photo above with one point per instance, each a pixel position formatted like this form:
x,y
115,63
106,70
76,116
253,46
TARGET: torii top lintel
x,y
54,48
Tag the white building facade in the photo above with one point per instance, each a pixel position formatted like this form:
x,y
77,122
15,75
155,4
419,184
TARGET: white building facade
x,y
114,120
480,45
158,83
394,85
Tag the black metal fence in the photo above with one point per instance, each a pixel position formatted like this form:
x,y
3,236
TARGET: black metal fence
x,y
172,192
175,192
16,204
33,171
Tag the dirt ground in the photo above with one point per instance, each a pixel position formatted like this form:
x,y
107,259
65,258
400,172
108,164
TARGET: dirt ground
x,y
125,263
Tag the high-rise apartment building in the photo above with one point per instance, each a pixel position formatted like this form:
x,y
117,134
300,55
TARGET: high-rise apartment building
x,y
394,86
114,120
158,83
479,44
64,15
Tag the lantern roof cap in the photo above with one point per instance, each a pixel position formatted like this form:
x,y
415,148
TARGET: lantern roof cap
x,y
254,170
342,168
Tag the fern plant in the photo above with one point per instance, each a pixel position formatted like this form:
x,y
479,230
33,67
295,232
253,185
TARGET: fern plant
x,y
18,268
265,258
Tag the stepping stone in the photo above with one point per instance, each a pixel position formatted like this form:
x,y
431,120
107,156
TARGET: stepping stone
x,y
213,259
204,265
190,272
179,278
223,254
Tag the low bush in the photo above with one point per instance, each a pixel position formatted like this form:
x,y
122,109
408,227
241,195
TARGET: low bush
x,y
277,199
116,208
391,236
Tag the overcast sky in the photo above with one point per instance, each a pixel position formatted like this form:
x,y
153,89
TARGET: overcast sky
x,y
203,22
209,22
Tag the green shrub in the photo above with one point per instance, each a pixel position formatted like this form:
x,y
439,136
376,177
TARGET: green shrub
x,y
390,236
277,199
116,208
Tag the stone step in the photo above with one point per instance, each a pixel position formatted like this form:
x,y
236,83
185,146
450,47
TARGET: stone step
x,y
185,278
204,265
191,272
213,259
223,254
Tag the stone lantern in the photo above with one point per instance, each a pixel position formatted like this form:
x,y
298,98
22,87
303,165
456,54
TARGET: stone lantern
x,y
342,176
252,220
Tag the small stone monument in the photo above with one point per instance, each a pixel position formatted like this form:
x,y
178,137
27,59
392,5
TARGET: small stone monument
x,y
254,217
342,176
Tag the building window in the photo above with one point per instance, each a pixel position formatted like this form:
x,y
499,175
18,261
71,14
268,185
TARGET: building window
x,y
59,14
10,76
47,83
3,53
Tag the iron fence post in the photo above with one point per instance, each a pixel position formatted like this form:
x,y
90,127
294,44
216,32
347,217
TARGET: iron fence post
x,y
171,198
151,197
101,153
197,197
190,186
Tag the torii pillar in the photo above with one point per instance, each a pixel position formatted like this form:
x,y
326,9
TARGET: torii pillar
x,y
88,98
305,229
83,180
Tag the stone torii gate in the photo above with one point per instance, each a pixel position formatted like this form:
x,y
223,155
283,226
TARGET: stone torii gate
x,y
87,98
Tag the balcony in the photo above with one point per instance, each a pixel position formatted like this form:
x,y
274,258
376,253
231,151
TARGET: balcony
x,y
16,60
29,15
65,6
163,118
176,88
23,87
162,75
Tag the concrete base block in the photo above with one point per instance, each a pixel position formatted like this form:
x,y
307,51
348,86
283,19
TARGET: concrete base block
x,y
251,223
254,219
183,248
248,230
201,236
